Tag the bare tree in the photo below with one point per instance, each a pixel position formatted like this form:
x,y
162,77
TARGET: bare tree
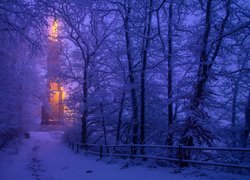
x,y
206,61
88,37
145,48
127,18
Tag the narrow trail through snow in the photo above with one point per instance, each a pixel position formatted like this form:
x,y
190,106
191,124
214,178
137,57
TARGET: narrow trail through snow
x,y
45,157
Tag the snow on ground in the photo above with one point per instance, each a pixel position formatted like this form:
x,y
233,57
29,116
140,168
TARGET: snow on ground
x,y
45,157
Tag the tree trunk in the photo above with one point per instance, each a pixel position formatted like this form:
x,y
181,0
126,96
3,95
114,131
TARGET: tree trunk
x,y
168,55
170,69
233,117
203,68
119,122
84,127
146,42
85,103
246,130
103,126
131,74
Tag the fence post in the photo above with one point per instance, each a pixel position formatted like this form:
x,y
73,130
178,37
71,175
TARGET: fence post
x,y
180,155
100,151
77,148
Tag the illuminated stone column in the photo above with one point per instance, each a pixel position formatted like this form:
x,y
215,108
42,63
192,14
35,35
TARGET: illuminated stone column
x,y
52,111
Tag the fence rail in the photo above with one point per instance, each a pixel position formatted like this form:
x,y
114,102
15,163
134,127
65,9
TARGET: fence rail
x,y
182,155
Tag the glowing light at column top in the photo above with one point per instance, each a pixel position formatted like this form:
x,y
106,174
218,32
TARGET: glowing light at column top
x,y
54,30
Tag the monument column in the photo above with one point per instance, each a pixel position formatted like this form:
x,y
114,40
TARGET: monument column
x,y
52,111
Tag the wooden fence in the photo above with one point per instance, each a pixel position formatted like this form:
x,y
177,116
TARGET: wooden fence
x,y
183,155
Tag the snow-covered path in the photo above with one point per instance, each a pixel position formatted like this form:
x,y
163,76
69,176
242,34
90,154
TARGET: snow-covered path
x,y
45,157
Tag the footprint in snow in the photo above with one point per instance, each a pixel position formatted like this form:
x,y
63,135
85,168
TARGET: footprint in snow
x,y
65,167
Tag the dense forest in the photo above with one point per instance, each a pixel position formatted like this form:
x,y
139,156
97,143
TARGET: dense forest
x,y
141,72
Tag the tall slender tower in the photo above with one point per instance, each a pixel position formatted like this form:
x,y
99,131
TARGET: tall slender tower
x,y
53,109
